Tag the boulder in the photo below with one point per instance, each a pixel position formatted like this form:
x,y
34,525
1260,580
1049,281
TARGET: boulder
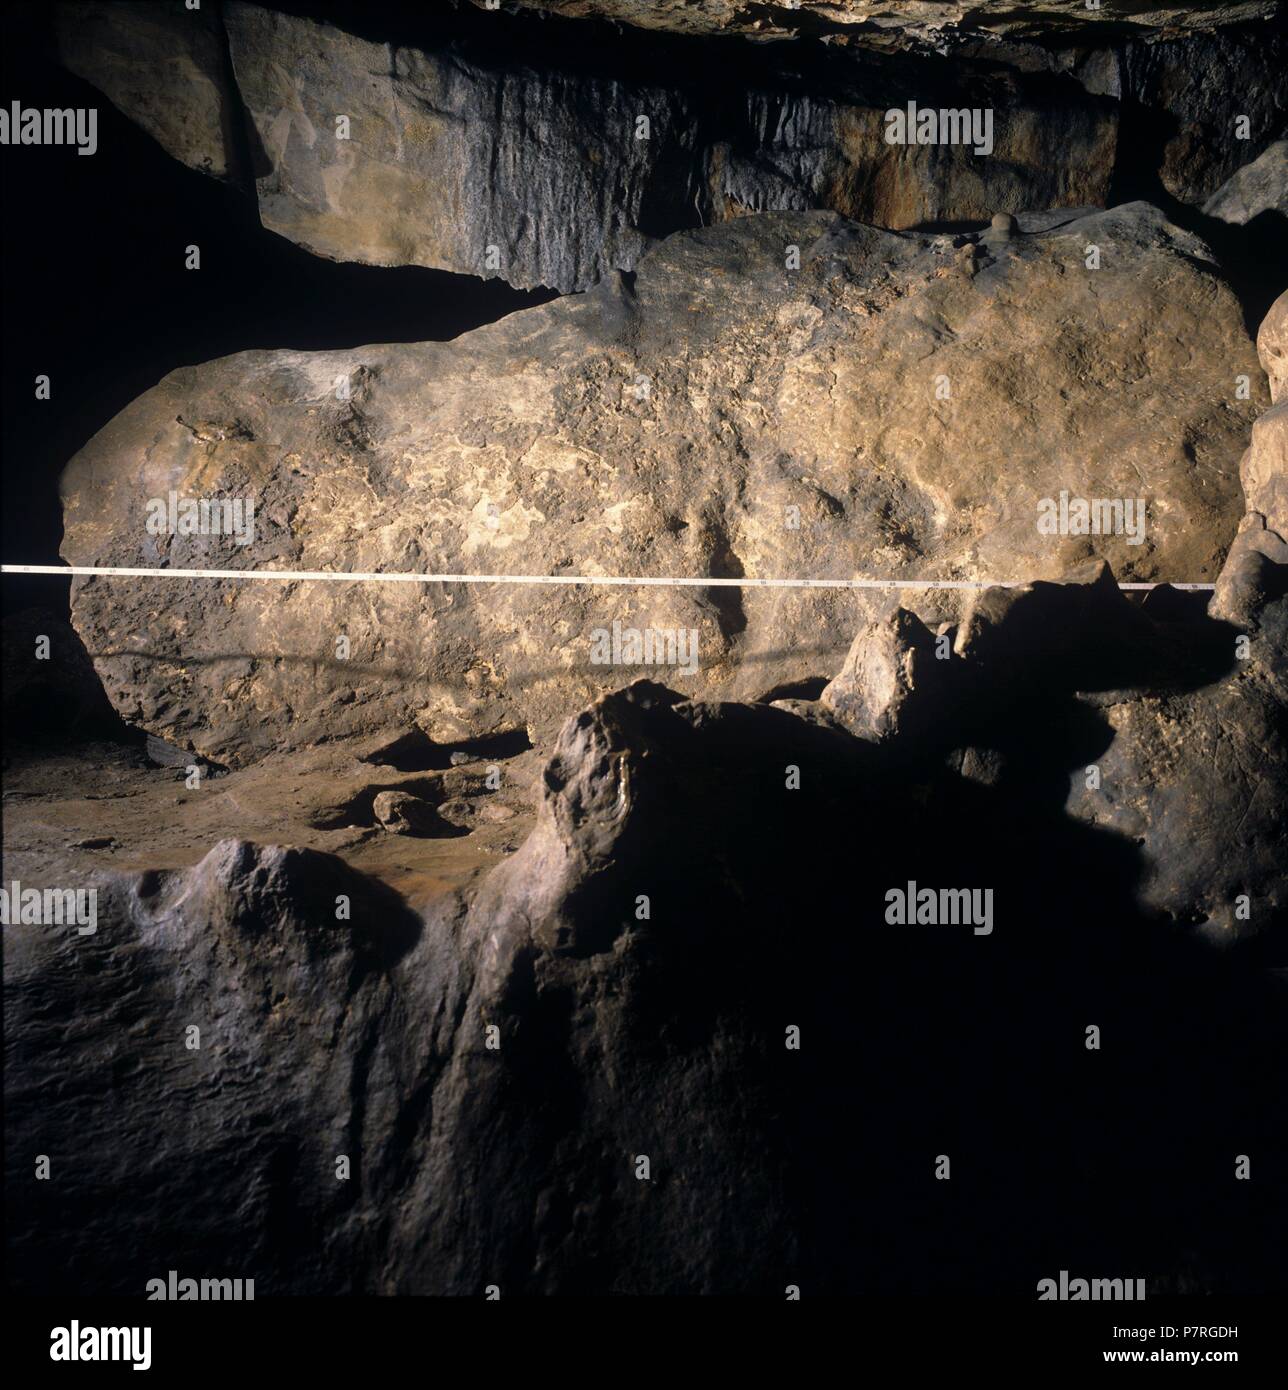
x,y
892,683
402,813
878,414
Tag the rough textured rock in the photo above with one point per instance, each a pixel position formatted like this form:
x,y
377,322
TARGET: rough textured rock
x,y
573,191
1193,763
1178,727
1257,188
1272,347
295,1012
494,1068
891,682
1199,780
1194,92
1265,468
715,415
165,66
928,22
401,813
1253,575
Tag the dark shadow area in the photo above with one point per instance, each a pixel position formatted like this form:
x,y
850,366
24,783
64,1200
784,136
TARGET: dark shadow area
x,y
415,751
963,1040
808,689
769,910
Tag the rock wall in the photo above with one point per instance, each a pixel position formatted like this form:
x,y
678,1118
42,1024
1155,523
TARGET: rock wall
x,y
583,171
689,963
370,149
928,23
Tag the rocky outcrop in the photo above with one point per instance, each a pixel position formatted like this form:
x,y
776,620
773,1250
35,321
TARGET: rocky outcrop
x,y
614,1065
1258,188
368,149
585,170
166,66
259,981
899,408
908,22
1210,104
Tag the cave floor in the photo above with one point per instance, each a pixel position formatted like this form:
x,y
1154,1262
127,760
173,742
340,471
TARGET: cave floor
x,y
107,806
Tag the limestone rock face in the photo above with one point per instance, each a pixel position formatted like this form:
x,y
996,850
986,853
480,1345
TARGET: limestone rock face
x,y
1257,188
929,22
1199,90
165,66
585,170
292,1009
1272,347
369,150
895,409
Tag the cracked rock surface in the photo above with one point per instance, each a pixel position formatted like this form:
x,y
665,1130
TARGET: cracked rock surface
x,y
366,146
897,408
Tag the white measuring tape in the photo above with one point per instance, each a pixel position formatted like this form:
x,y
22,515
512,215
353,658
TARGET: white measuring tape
x,y
600,580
